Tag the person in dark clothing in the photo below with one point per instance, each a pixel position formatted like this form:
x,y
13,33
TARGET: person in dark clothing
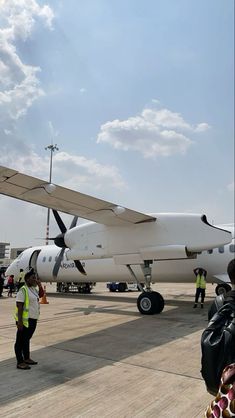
x,y
2,278
229,297
200,274
11,285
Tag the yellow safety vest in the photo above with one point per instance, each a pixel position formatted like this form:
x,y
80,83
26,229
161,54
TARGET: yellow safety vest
x,y
21,277
201,282
25,314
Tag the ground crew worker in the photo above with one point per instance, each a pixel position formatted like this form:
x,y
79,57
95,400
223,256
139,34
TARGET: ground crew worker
x,y
200,274
26,316
21,280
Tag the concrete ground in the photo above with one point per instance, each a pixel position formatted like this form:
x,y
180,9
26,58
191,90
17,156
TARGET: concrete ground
x,y
99,357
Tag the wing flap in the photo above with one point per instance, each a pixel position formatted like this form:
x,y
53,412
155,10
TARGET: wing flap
x,y
34,190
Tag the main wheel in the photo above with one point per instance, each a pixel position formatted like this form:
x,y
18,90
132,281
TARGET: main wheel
x,y
222,289
150,303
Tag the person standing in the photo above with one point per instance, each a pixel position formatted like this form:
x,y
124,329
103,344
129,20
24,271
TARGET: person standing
x,y
21,281
26,315
2,279
11,285
200,274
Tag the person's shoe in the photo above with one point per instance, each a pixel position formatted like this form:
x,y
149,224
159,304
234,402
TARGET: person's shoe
x,y
202,306
30,361
23,366
195,305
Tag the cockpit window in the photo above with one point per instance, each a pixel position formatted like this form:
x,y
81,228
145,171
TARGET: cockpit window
x,y
50,258
44,259
210,251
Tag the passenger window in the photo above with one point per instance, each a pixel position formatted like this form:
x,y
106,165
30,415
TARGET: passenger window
x,y
232,248
44,259
210,251
221,250
50,258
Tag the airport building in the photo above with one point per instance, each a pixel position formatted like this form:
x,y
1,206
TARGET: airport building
x,y
4,250
7,255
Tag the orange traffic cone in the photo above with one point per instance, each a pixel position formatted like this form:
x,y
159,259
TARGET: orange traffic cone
x,y
43,300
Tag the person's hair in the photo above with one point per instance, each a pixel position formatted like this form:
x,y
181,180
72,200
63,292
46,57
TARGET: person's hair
x,y
29,274
231,271
21,270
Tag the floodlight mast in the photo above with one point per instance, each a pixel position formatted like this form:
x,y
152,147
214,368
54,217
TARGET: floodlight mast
x,y
52,149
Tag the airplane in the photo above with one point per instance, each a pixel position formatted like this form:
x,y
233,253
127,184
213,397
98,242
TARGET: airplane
x,y
214,261
116,236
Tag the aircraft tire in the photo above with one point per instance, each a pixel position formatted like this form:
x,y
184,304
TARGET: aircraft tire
x,y
159,302
150,303
222,289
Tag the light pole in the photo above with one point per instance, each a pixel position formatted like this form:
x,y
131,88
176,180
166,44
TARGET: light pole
x,y
52,148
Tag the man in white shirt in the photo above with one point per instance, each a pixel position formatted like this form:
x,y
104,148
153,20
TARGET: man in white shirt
x,y
26,316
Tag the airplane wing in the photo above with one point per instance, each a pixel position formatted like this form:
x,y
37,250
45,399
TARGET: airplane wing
x,y
40,192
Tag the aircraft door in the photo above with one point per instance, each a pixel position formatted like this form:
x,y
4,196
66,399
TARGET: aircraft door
x,y
33,260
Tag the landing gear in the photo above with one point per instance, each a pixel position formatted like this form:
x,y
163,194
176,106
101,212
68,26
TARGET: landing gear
x,y
148,302
222,289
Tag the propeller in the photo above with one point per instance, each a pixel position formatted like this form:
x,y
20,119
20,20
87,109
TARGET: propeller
x,y
59,241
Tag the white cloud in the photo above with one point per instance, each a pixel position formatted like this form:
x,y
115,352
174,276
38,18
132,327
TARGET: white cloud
x,y
231,187
7,132
202,127
153,133
86,173
156,101
53,132
72,171
19,83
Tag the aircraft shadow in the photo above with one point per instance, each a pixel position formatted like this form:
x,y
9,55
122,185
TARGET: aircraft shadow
x,y
67,360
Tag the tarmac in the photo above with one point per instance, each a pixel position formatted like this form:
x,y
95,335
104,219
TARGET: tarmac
x,y
98,357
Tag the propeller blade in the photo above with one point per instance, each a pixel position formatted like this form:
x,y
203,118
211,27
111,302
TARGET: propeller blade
x,y
74,222
58,263
44,238
79,266
59,221
59,241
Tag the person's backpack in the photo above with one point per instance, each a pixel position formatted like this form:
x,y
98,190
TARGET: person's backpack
x,y
218,346
215,306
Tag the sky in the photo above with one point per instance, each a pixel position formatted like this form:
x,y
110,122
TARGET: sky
x,y
138,95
